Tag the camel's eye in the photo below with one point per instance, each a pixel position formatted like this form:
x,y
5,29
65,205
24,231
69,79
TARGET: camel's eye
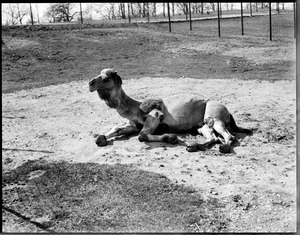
x,y
104,80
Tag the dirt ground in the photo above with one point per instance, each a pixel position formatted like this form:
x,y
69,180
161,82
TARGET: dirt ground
x,y
257,180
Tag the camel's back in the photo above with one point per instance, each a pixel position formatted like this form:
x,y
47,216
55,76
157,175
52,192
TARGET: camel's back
x,y
184,111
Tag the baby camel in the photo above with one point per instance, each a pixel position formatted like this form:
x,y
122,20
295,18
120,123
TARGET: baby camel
x,y
174,114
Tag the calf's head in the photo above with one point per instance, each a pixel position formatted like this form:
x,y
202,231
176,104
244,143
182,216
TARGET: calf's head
x,y
106,83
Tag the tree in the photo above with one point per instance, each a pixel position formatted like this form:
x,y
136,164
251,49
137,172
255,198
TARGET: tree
x,y
277,7
37,13
173,9
182,7
153,9
122,12
61,12
164,11
15,13
21,14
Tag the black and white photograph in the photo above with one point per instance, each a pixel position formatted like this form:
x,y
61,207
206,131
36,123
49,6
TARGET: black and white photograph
x,y
131,117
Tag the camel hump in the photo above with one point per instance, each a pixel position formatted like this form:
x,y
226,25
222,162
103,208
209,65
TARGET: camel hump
x,y
148,105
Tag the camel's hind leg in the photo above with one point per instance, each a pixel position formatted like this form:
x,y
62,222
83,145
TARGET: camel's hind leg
x,y
211,125
219,126
151,123
208,132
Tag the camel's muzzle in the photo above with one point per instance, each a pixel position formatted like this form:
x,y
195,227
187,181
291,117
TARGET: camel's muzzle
x,y
92,85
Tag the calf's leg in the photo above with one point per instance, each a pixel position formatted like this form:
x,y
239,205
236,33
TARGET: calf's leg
x,y
151,123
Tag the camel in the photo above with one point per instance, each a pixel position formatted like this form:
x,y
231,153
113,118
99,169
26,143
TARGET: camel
x,y
158,120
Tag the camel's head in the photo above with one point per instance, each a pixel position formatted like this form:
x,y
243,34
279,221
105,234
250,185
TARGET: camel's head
x,y
105,83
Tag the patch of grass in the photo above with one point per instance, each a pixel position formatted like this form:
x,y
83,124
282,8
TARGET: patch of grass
x,y
107,198
37,56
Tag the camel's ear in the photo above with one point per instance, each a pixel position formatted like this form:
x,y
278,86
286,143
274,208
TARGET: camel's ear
x,y
117,78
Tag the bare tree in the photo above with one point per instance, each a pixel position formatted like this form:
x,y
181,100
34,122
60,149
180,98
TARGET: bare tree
x,y
173,9
122,11
12,13
37,13
144,9
111,15
277,7
140,11
164,10
20,14
182,7
153,9
15,13
61,12
88,11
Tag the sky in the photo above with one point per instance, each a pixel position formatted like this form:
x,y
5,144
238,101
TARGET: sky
x,y
95,10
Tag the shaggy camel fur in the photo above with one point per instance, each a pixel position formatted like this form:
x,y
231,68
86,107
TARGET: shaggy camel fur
x,y
174,114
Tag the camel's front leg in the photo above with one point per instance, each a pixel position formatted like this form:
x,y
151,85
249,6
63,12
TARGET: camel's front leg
x,y
151,123
127,129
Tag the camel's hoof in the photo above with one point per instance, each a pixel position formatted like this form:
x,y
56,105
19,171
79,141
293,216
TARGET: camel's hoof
x,y
101,140
143,137
171,139
192,148
224,148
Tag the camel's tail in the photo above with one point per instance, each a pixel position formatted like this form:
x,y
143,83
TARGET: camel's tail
x,y
235,128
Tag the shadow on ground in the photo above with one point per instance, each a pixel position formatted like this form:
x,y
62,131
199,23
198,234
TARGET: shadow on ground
x,y
66,197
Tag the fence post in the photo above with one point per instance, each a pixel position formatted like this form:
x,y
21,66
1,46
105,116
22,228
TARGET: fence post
x,y
295,20
270,20
31,15
219,29
81,19
148,13
168,6
190,16
242,18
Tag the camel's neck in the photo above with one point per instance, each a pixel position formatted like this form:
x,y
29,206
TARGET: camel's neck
x,y
122,103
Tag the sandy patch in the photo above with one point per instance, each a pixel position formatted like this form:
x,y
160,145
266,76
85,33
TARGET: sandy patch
x,y
60,122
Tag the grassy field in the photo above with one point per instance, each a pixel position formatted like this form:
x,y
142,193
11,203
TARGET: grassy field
x,y
68,196
46,55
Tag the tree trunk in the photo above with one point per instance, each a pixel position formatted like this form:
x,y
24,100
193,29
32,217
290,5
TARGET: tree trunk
x,y
131,8
173,9
37,13
19,14
140,9
277,7
202,8
164,11
154,9
144,9
123,11
31,13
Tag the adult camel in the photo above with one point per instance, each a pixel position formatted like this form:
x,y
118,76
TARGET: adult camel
x,y
170,115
